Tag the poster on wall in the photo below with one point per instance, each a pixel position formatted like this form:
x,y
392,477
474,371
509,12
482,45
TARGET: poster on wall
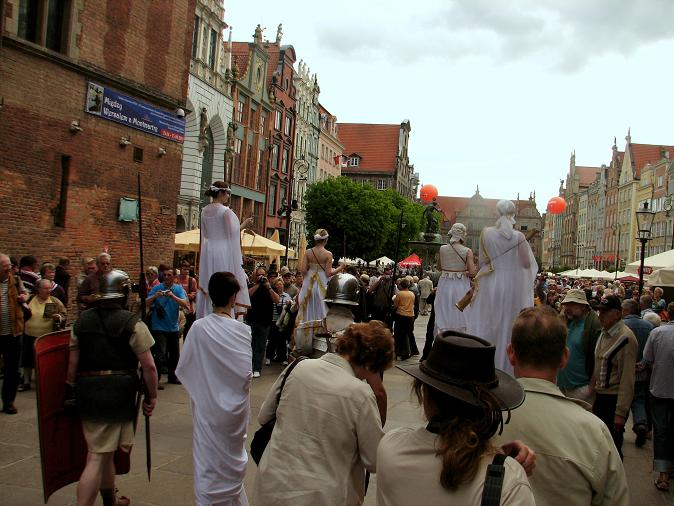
x,y
113,106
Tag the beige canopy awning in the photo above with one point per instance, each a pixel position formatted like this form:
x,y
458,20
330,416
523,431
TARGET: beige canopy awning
x,y
251,244
187,241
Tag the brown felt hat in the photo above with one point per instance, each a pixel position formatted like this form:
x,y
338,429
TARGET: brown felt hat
x,y
462,366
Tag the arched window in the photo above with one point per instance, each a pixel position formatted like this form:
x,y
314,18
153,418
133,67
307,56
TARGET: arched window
x,y
207,167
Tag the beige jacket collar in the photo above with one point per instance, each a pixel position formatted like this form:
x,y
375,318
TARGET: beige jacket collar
x,y
334,359
542,386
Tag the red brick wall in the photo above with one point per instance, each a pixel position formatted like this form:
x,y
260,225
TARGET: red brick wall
x,y
146,42
42,97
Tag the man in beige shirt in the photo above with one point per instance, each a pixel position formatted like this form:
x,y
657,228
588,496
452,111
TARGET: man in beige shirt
x,y
614,361
577,462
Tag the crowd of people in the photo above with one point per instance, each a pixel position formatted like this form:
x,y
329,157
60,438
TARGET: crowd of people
x,y
518,371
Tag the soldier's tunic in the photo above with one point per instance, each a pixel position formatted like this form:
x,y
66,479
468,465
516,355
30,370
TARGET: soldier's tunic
x,y
108,340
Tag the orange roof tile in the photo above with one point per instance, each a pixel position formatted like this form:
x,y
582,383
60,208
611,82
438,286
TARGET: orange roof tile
x,y
586,175
377,145
647,153
274,52
241,57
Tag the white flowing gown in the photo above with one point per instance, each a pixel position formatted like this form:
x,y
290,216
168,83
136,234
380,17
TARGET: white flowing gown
x,y
452,286
505,287
312,294
220,252
215,368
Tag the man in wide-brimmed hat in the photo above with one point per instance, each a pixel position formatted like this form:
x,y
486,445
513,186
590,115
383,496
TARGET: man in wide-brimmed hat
x,y
583,331
577,461
463,396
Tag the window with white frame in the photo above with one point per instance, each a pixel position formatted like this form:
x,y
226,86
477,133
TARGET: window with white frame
x,y
277,121
382,184
354,161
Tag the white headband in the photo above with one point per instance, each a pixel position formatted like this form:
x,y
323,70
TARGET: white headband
x,y
216,189
321,237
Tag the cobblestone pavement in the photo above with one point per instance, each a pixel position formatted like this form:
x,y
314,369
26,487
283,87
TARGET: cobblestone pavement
x,y
171,484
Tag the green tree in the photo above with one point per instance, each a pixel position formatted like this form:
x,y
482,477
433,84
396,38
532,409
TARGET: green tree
x,y
412,217
354,215
362,221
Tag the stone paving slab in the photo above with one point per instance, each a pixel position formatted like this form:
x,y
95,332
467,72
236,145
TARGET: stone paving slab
x,y
21,481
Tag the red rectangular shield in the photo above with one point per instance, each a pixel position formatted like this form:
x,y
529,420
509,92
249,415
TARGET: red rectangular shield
x,y
63,450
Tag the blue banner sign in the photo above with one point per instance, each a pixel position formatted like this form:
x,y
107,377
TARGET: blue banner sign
x,y
113,106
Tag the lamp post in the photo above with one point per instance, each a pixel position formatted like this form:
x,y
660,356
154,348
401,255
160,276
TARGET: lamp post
x,y
644,223
288,207
617,228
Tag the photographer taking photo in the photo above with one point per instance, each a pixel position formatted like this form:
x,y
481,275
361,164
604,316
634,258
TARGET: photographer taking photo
x,y
166,299
260,315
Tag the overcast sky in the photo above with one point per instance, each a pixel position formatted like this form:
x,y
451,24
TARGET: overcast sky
x,y
498,92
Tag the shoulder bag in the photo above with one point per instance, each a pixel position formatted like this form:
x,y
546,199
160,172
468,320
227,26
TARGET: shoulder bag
x,y
493,481
263,434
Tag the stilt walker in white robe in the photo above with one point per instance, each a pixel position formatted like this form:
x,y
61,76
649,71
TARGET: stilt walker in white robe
x,y
220,248
504,284
457,266
215,369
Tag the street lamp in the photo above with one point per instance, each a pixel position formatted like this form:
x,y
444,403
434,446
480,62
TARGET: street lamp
x,y
617,228
644,223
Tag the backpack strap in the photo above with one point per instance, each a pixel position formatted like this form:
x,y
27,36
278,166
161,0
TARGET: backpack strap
x,y
493,482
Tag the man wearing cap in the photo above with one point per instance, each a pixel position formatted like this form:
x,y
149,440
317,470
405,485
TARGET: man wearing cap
x,y
583,329
106,345
615,358
288,286
577,462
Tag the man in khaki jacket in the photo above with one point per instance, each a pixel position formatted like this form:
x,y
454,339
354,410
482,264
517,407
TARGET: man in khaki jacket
x,y
615,358
577,461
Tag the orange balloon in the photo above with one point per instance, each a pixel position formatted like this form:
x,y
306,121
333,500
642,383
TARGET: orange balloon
x,y
556,205
428,192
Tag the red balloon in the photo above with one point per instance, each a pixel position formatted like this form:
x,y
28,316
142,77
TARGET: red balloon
x,y
428,192
556,205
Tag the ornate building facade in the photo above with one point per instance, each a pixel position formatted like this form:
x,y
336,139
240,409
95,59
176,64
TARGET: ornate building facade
x,y
602,234
307,133
249,133
329,146
209,113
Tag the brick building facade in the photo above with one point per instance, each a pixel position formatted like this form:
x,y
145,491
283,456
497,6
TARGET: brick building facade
x,y
63,170
248,172
280,74
377,154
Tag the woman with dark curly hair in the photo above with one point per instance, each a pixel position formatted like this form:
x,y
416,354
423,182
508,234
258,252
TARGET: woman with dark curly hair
x,y
446,462
328,424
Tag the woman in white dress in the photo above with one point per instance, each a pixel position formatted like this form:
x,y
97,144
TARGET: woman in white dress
x,y
456,264
220,248
317,270
504,283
